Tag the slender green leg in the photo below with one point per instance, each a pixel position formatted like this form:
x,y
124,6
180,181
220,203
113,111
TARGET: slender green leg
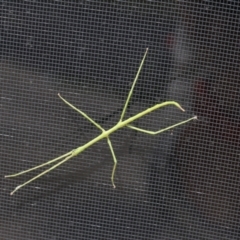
x,y
39,166
122,116
114,159
133,85
66,156
82,113
44,172
161,130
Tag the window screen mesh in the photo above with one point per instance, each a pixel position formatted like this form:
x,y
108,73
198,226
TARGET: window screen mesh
x,y
181,184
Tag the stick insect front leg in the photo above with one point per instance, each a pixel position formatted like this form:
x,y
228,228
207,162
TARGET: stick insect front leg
x,y
62,159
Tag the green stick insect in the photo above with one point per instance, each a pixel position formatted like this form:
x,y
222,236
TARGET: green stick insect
x,y
105,134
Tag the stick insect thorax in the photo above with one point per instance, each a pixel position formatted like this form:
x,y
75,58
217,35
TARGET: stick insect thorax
x,y
121,124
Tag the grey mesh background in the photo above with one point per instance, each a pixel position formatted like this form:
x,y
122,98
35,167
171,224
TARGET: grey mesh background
x,y
182,184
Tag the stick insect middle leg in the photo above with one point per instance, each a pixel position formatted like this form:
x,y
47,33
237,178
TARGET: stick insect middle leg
x,y
122,116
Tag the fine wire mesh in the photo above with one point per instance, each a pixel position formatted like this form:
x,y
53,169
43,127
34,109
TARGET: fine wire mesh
x,y
182,184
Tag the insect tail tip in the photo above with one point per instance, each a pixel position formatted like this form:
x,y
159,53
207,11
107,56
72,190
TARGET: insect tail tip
x,y
182,109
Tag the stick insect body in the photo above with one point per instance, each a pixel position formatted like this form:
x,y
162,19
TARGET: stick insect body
x,y
105,134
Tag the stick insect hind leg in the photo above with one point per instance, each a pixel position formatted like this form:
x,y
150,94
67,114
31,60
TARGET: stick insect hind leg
x,y
161,130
